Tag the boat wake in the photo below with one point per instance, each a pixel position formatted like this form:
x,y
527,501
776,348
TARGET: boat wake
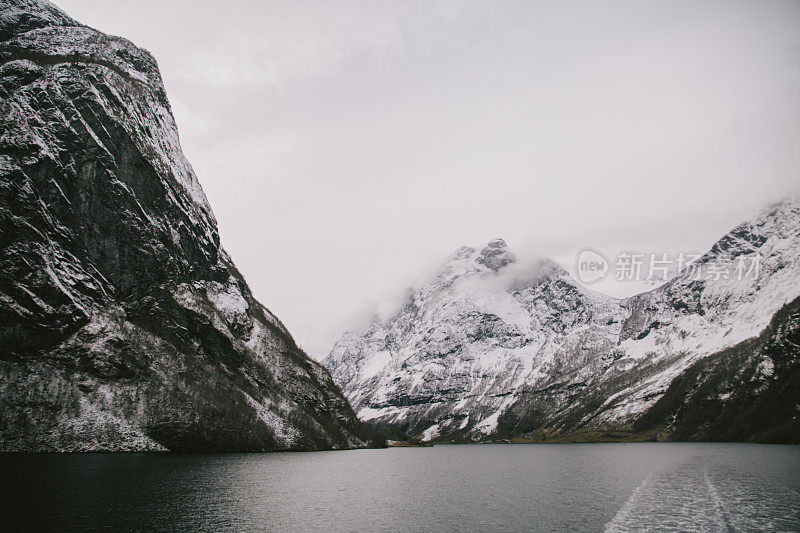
x,y
694,497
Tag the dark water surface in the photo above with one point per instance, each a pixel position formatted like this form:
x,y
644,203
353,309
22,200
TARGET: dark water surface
x,y
584,487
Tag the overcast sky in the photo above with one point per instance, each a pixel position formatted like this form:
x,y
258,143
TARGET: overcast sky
x,y
347,147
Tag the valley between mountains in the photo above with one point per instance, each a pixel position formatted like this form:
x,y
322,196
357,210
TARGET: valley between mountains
x,y
125,325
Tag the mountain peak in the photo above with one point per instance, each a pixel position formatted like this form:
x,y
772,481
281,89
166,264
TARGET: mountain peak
x,y
495,255
20,16
496,243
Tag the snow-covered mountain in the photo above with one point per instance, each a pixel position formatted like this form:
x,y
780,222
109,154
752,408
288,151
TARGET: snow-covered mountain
x,y
123,322
493,349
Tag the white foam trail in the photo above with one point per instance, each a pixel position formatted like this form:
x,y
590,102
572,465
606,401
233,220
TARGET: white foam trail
x,y
690,497
679,499
719,504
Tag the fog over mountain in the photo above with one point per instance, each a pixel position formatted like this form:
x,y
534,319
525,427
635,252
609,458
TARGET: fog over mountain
x,y
346,147
492,349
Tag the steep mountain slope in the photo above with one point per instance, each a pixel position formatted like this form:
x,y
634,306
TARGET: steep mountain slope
x,y
123,323
673,327
463,348
750,391
505,351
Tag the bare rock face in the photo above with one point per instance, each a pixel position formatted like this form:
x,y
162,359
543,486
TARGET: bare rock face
x,y
489,349
123,323
495,255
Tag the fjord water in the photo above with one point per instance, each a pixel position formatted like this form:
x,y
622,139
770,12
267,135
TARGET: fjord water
x,y
552,487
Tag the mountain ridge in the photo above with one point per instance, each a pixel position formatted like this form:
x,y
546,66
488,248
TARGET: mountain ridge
x,y
599,364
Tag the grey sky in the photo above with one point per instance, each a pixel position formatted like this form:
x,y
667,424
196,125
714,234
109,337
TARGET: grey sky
x,y
346,147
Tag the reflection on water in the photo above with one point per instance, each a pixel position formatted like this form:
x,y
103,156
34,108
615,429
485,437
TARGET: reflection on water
x,y
616,487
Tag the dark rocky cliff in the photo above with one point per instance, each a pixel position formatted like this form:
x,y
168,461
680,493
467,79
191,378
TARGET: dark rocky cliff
x,y
123,323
